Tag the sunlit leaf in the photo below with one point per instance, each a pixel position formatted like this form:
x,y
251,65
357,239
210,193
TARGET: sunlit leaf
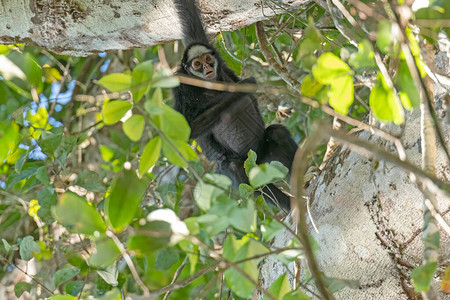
x,y
9,138
364,57
341,94
62,297
172,124
116,82
150,155
141,79
178,152
310,87
279,287
383,103
409,94
133,127
329,68
384,36
113,111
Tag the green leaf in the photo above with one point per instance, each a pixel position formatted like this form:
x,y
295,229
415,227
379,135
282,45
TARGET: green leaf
x,y
205,194
245,190
296,295
50,140
116,82
267,173
409,95
106,252
62,297
34,72
141,79
235,250
364,58
383,104
75,213
113,111
165,258
22,287
74,287
218,180
133,127
42,176
279,287
244,218
9,138
178,146
7,246
64,275
155,235
250,162
310,86
329,67
123,203
422,276
270,228
164,79
106,153
109,275
91,181
341,94
384,36
47,199
172,124
150,155
27,247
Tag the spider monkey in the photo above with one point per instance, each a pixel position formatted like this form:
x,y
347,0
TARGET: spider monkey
x,y
226,125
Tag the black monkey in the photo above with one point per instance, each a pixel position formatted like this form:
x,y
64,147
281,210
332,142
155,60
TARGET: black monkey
x,y
226,125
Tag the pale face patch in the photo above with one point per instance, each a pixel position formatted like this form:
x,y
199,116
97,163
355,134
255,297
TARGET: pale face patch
x,y
196,51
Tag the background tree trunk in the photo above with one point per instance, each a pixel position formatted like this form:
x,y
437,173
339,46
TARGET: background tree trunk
x,y
369,214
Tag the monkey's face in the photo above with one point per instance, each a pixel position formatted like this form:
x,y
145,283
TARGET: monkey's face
x,y
205,64
201,62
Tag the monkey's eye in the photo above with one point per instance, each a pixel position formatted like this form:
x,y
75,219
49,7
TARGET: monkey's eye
x,y
196,64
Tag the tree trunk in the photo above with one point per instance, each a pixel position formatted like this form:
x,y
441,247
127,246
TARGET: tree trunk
x,y
80,28
369,214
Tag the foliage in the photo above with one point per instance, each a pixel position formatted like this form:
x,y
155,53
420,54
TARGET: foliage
x,y
97,153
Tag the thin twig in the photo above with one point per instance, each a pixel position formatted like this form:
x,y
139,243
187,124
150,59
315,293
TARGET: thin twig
x,y
129,262
26,273
177,275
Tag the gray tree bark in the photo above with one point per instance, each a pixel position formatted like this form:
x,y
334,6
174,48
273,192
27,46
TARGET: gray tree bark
x,y
369,214
79,27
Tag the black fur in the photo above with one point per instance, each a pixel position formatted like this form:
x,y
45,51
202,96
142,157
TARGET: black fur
x,y
227,125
